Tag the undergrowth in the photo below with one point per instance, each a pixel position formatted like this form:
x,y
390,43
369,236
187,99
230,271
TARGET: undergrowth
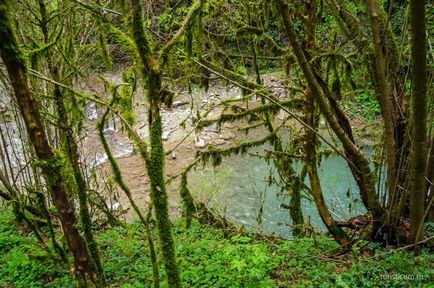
x,y
209,259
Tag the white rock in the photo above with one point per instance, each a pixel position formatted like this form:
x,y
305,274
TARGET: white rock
x,y
109,130
122,148
199,143
165,135
115,206
3,107
205,136
98,160
282,114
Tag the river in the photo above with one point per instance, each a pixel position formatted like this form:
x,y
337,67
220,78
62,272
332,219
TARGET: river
x,y
239,185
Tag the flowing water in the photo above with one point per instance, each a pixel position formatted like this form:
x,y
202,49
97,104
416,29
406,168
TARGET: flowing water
x,y
238,188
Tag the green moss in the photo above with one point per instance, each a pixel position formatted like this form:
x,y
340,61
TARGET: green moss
x,y
52,166
187,199
151,74
216,155
251,115
125,41
126,96
104,50
72,176
138,33
155,168
8,40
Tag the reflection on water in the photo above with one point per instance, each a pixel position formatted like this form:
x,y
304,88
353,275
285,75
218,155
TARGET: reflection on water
x,y
235,187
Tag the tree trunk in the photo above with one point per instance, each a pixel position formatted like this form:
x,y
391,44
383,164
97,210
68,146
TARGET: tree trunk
x,y
50,163
155,168
418,119
314,92
383,97
121,183
355,156
395,72
155,161
69,145
430,184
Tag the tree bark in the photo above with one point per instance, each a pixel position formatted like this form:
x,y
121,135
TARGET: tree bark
x,y
121,183
418,119
155,161
69,145
383,97
50,163
395,73
313,93
311,139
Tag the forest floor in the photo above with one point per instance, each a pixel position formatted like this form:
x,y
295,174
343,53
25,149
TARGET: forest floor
x,y
208,257
178,136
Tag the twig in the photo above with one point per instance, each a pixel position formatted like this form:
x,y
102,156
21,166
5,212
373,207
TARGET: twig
x,y
402,248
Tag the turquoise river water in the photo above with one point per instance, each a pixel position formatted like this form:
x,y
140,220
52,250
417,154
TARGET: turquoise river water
x,y
238,188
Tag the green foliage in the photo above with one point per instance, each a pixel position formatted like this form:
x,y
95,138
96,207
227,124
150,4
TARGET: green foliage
x,y
165,20
242,69
368,105
213,261
23,263
208,259
126,96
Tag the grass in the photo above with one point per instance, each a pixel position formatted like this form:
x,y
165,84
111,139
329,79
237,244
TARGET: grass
x,y
209,259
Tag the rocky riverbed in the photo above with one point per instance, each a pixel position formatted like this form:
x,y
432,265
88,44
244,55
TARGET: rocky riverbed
x,y
178,135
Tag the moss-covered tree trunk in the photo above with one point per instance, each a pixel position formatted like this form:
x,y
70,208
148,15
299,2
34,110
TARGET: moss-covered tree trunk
x,y
311,139
357,159
151,74
384,99
49,162
155,168
120,181
69,146
309,22
418,119
295,211
394,107
388,75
